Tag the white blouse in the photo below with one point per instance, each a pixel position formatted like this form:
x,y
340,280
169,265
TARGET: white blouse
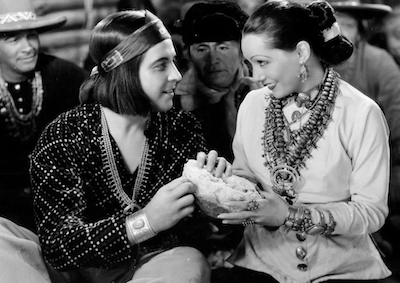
x,y
348,174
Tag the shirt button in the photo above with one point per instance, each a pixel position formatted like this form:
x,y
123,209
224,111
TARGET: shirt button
x,y
301,253
302,267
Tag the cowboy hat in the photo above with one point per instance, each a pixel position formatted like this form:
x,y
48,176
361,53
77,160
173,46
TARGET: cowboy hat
x,y
360,10
17,15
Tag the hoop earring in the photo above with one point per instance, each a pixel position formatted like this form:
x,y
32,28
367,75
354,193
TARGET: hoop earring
x,y
303,73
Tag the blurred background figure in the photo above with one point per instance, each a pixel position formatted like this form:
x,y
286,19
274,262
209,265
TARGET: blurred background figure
x,y
391,29
387,33
214,85
34,89
373,71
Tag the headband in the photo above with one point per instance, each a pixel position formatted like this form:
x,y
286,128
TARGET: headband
x,y
136,43
332,32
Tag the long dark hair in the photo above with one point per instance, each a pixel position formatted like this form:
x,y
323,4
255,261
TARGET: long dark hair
x,y
286,23
119,89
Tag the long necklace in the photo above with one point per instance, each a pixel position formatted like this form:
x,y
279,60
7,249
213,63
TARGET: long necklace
x,y
21,125
286,157
113,178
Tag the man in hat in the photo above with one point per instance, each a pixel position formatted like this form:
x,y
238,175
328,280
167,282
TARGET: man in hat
x,y
215,83
391,33
34,89
370,69
217,77
374,72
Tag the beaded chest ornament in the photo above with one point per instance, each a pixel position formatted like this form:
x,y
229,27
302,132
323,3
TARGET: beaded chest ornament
x,y
286,151
21,125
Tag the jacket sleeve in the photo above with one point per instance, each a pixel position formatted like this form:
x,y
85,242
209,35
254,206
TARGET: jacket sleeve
x,y
68,238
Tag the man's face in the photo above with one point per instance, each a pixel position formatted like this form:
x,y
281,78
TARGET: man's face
x,y
159,75
217,63
349,27
18,54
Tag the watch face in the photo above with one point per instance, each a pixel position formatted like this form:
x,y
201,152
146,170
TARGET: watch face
x,y
316,230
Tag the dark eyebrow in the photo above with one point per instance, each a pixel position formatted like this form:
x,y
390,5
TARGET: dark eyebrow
x,y
8,34
160,60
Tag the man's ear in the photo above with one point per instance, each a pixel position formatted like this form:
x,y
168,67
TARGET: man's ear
x,y
303,50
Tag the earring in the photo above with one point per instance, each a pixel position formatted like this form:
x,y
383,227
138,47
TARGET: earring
x,y
303,73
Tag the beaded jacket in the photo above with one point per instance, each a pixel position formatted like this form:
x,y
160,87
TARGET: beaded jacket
x,y
80,219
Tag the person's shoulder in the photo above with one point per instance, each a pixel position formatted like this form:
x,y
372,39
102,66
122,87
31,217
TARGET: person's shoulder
x,y
351,97
377,54
257,94
76,117
256,97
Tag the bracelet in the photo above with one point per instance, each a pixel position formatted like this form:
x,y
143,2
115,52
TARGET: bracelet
x,y
317,229
289,219
138,227
331,225
299,220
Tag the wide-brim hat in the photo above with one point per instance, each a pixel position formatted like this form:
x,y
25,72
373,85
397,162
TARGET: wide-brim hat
x,y
361,10
18,15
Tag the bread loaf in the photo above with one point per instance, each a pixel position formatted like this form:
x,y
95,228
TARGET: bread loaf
x,y
213,193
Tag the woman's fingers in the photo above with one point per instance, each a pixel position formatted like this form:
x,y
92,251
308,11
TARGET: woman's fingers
x,y
234,217
237,205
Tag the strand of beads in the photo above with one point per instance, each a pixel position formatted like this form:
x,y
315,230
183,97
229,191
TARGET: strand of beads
x,y
306,138
273,137
294,153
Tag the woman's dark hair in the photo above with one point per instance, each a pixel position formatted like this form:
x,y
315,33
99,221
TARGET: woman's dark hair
x,y
119,89
286,23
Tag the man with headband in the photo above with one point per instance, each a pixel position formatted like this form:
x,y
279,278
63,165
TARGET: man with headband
x,y
110,202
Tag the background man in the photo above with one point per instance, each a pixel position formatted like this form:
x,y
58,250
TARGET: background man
x,y
215,82
34,89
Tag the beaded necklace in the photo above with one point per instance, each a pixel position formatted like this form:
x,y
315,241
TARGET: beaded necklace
x,y
113,177
285,151
21,125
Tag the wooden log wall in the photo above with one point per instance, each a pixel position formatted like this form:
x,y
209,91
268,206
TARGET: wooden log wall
x,y
71,41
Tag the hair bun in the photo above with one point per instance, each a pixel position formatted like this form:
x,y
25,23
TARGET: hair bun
x,y
322,13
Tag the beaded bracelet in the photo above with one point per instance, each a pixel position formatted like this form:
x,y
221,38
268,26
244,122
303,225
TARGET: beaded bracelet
x,y
299,220
138,227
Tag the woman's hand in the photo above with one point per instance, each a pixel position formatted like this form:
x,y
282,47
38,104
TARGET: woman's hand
x,y
269,211
170,204
212,162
